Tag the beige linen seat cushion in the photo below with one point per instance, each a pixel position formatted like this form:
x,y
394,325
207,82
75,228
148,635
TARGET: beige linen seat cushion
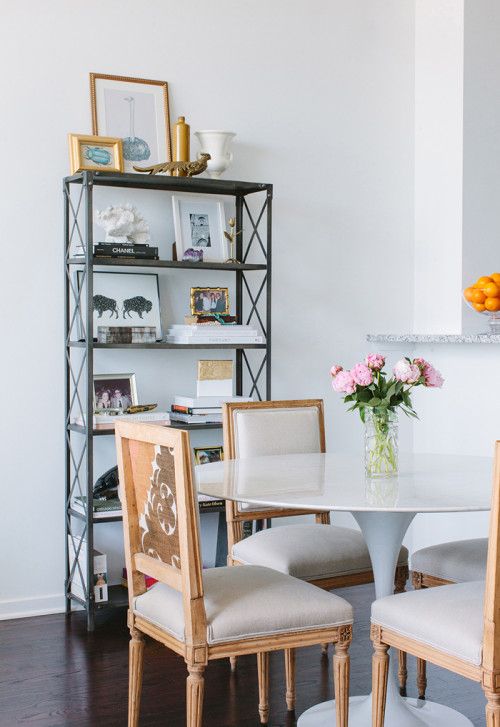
x,y
462,560
448,618
308,552
246,602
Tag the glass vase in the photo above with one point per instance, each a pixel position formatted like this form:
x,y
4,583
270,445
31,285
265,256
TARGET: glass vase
x,y
381,442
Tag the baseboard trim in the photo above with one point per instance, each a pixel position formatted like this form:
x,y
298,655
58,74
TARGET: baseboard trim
x,y
33,606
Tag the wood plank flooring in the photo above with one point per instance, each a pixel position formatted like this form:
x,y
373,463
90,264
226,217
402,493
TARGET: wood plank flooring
x,y
54,674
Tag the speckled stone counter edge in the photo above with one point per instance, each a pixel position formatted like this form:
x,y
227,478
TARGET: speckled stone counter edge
x,y
432,338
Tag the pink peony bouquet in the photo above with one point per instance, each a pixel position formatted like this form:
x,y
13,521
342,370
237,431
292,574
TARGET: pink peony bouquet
x,y
368,385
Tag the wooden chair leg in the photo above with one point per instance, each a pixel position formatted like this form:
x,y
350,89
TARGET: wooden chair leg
x,y
421,677
492,709
290,678
399,587
324,649
233,660
341,675
380,670
263,674
195,687
136,659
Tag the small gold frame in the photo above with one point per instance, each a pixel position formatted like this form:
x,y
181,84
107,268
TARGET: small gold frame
x,y
196,291
81,163
128,79
212,448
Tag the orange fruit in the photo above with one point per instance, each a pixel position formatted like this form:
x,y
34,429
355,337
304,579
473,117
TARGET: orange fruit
x,y
491,290
496,278
477,296
492,304
482,281
468,294
479,307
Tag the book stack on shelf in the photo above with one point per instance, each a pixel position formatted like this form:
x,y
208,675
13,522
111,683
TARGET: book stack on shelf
x,y
214,387
113,250
108,421
126,334
101,507
215,333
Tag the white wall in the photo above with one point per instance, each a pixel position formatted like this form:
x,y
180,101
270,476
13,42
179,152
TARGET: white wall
x,y
321,97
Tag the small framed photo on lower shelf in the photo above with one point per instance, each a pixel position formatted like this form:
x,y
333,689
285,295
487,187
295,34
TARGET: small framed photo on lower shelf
x,y
205,455
114,393
207,301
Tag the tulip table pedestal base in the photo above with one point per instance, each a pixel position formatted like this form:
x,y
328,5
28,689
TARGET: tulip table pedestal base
x,y
383,533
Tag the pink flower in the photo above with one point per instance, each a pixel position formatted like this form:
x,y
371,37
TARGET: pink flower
x,y
375,361
335,370
343,383
406,372
362,375
433,378
421,363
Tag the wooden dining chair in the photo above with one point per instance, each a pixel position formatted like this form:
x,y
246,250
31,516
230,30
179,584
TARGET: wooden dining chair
x,y
324,555
441,565
456,626
216,613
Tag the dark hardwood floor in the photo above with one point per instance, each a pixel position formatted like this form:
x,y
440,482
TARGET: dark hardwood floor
x,y
54,674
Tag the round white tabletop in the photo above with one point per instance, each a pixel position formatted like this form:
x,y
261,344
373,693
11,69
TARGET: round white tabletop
x,y
383,508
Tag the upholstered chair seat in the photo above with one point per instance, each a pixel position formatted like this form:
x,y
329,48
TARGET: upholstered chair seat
x,y
310,552
463,560
244,603
449,619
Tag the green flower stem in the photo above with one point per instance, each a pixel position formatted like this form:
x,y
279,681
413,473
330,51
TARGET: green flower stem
x,y
381,445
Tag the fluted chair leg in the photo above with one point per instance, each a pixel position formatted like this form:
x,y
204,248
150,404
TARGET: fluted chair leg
x,y
380,670
290,678
136,660
421,677
402,574
195,688
341,676
263,675
492,709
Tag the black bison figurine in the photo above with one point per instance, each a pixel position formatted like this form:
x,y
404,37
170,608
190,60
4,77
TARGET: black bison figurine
x,y
103,304
138,304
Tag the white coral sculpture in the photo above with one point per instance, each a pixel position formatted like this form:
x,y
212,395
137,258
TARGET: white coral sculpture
x,y
123,224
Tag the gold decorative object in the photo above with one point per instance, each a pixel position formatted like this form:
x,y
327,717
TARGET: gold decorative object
x,y
191,169
95,153
215,370
231,236
181,144
139,408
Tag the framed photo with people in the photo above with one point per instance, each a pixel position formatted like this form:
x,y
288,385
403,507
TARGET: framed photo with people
x,y
114,393
205,455
209,301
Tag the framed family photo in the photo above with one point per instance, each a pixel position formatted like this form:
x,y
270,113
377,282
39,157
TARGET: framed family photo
x,y
114,392
95,153
199,223
124,299
204,455
207,301
135,110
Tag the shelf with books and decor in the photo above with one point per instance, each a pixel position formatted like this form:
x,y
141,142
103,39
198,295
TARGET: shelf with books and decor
x,y
246,333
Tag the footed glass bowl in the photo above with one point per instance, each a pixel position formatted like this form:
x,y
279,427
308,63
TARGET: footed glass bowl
x,y
493,318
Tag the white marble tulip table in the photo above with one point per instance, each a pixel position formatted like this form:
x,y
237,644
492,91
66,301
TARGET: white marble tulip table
x,y
383,510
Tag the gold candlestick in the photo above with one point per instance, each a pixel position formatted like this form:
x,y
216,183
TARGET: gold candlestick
x,y
231,236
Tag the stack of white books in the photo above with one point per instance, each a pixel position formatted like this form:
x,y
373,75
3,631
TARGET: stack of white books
x,y
201,409
108,421
208,333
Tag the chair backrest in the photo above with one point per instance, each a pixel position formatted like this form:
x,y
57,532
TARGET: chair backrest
x,y
260,428
491,636
160,516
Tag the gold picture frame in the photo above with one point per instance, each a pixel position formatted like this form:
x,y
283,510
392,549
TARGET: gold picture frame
x,y
205,455
147,138
201,297
95,153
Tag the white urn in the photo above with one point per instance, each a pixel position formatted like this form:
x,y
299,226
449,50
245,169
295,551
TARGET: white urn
x,y
216,143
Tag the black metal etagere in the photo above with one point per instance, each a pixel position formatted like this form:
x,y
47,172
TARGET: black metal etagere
x,y
78,191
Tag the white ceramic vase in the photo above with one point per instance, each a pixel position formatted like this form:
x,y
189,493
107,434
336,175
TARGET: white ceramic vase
x,y
216,143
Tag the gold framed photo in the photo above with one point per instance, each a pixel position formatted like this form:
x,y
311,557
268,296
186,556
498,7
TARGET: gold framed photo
x,y
95,153
205,455
136,110
208,301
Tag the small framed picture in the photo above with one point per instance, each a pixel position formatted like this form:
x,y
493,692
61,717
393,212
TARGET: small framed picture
x,y
95,153
207,301
136,110
204,455
114,393
126,300
199,223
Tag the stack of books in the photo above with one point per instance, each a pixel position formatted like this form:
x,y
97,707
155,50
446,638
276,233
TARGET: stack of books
x,y
101,507
119,249
108,421
201,409
213,333
126,334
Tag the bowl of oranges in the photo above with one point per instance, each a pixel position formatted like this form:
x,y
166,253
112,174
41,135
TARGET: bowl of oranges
x,y
484,297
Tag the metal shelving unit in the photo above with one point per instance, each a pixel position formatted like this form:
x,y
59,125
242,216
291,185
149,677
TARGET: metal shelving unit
x,y
253,303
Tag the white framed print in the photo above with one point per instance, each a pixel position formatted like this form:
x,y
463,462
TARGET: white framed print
x,y
136,111
199,223
125,300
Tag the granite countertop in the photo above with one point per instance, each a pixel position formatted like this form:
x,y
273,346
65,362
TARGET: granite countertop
x,y
432,338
